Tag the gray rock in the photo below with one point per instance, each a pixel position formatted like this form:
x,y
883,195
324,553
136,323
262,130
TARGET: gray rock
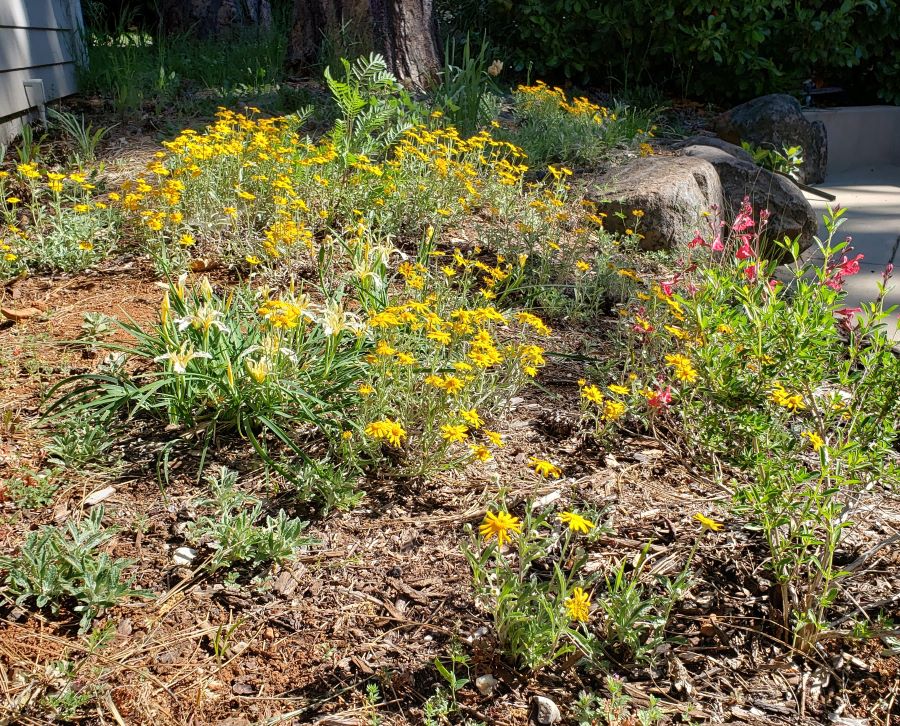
x,y
716,143
790,214
776,121
672,191
544,711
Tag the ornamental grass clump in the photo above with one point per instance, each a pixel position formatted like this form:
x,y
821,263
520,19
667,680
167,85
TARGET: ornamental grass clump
x,y
268,368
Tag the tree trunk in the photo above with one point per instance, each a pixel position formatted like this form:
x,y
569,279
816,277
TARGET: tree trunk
x,y
214,18
403,31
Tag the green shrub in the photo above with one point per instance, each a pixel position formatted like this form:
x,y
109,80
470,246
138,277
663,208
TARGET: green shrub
x,y
720,50
780,384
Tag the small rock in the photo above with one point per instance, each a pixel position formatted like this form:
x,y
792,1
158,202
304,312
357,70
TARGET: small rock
x,y
544,711
184,555
124,628
486,684
240,688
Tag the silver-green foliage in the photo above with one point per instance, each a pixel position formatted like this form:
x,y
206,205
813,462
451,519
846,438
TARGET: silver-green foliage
x,y
238,533
60,566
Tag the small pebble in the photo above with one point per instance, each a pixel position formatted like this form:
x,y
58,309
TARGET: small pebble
x,y
184,555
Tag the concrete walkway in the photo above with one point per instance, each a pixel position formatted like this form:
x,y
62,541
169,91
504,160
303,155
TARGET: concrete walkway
x,y
871,195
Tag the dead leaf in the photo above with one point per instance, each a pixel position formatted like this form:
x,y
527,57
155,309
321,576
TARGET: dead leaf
x,y
19,315
202,264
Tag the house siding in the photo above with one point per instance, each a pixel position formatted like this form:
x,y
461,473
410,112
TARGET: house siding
x,y
38,39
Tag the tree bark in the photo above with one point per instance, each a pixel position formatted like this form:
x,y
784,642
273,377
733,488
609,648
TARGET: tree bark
x,y
403,31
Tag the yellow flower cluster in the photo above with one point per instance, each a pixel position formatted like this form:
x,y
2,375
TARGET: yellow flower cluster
x,y
790,401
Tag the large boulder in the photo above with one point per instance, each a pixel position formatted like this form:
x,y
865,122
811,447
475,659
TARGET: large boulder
x,y
671,191
790,213
774,122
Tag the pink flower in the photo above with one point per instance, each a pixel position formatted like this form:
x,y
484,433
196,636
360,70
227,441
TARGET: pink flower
x,y
848,312
745,251
717,245
848,267
774,284
751,273
661,398
698,241
744,219
888,271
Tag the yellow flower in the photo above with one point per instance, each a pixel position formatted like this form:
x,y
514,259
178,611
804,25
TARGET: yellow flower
x,y
578,605
384,349
386,430
85,246
365,389
616,388
707,523
593,394
499,525
533,321
817,441
790,401
186,240
613,410
471,417
583,266
576,522
495,438
454,432
346,435
258,370
683,369
545,468
13,200
481,452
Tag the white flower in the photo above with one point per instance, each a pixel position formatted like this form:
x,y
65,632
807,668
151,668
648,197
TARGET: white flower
x,y
203,319
181,357
335,320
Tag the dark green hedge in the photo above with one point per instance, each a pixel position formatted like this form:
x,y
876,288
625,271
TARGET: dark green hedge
x,y
723,51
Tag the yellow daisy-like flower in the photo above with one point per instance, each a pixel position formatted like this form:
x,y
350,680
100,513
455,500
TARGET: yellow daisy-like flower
x,y
454,432
499,525
582,266
578,605
815,440
576,522
471,417
481,452
621,390
593,394
495,438
613,410
386,430
365,389
707,523
545,468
